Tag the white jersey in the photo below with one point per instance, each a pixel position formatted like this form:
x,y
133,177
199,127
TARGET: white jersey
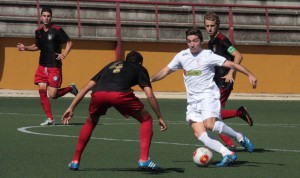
x,y
198,74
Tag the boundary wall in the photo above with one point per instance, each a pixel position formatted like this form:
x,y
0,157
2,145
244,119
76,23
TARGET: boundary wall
x,y
276,67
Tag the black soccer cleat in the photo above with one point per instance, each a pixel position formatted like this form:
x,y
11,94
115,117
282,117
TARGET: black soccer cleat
x,y
245,115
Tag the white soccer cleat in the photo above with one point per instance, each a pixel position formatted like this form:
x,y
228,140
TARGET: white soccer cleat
x,y
48,121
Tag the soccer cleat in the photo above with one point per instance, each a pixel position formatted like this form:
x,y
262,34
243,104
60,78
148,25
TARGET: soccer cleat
x,y
148,165
227,160
74,89
48,121
245,115
74,165
246,143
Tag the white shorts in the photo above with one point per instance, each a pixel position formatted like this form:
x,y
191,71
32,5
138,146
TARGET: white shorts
x,y
203,109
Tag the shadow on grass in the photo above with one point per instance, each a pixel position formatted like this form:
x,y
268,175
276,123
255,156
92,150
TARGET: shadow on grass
x,y
163,171
256,150
75,124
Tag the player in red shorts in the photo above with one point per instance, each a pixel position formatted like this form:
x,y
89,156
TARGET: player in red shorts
x,y
224,77
49,39
111,87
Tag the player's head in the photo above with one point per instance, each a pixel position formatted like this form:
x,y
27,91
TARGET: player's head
x,y
194,39
46,15
211,23
134,56
46,9
194,31
212,16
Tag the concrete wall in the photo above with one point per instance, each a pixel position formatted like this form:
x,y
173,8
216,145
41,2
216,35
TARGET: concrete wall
x,y
275,63
138,21
277,68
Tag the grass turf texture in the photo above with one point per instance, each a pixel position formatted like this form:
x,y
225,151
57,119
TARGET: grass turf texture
x,y
113,150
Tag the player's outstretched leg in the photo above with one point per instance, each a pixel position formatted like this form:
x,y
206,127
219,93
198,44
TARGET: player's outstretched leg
x,y
47,108
245,115
221,127
146,134
83,139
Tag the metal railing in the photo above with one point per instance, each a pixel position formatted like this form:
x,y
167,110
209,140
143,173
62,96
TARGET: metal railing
x,y
157,13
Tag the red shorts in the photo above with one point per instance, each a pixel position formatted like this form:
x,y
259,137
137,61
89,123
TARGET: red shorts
x,y
50,75
224,96
126,103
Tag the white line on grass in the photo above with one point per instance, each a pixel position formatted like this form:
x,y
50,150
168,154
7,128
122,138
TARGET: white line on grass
x,y
25,130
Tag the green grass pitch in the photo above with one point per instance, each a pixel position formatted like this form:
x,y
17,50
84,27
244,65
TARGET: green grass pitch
x,y
28,150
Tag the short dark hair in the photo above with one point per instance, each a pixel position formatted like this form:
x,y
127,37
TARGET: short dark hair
x,y
46,9
212,16
134,56
194,31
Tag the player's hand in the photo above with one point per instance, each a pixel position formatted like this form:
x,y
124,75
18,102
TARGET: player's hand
x,y
66,117
60,56
228,78
253,81
20,47
163,125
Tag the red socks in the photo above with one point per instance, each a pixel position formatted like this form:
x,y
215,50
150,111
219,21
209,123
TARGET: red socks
x,y
84,137
226,140
45,103
146,134
226,114
63,91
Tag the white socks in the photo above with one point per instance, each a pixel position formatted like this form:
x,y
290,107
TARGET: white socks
x,y
220,127
213,144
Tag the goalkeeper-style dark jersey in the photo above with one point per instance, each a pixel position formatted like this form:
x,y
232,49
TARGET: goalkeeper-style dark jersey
x,y
222,46
50,42
120,76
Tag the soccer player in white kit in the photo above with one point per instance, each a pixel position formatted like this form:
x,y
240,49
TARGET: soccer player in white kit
x,y
203,95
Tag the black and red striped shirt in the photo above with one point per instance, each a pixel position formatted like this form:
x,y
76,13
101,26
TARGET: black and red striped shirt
x,y
50,42
219,45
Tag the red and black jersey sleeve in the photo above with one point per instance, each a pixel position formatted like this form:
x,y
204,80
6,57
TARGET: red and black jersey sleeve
x,y
219,45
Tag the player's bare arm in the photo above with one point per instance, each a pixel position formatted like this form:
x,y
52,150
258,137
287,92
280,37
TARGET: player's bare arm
x,y
154,104
66,51
230,77
161,74
22,47
252,79
69,112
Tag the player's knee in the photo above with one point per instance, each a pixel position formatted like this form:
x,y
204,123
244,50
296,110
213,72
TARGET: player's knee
x,y
209,123
146,117
53,96
93,119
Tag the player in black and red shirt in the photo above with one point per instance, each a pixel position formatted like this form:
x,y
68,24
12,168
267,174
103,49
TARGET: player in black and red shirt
x,y
49,39
111,87
224,77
